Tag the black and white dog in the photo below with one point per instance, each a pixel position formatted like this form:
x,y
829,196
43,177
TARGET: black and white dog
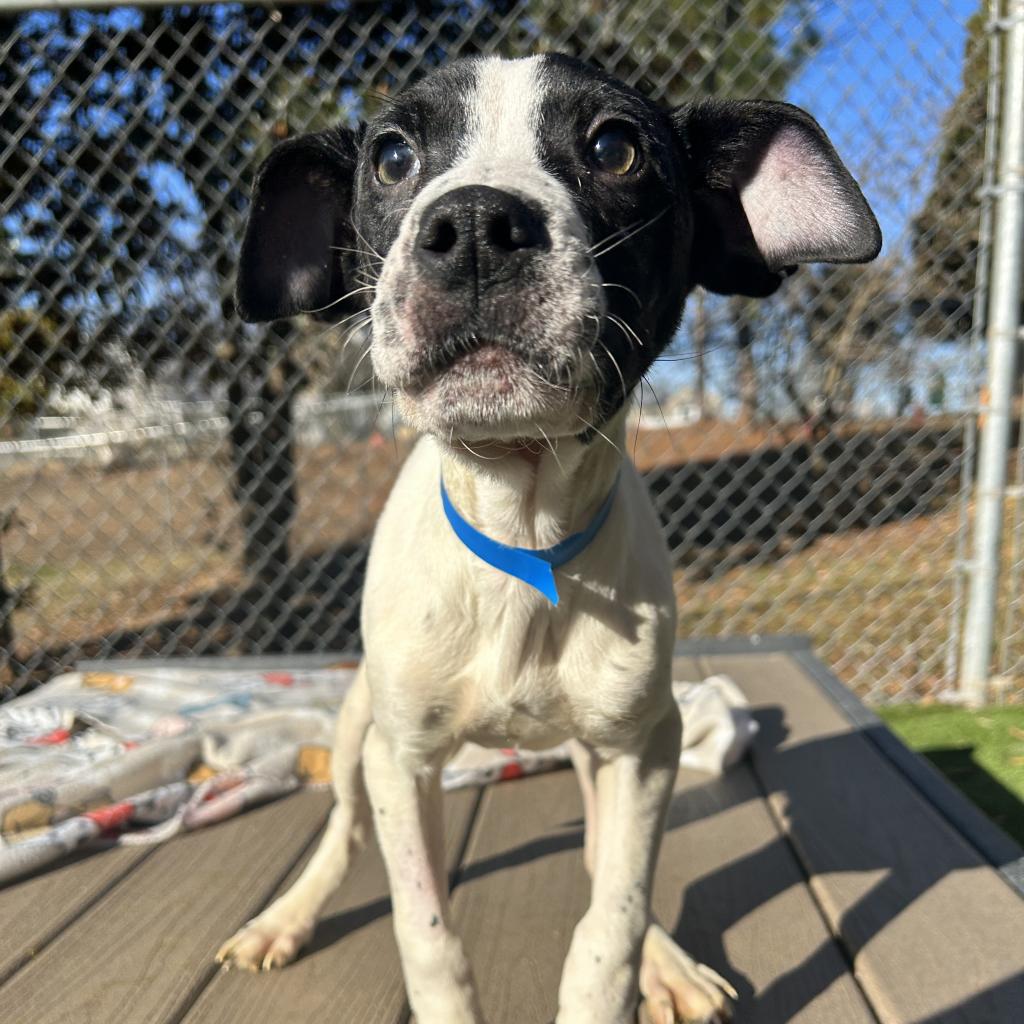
x,y
522,236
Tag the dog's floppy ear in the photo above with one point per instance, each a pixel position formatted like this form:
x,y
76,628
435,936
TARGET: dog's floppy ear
x,y
768,191
292,259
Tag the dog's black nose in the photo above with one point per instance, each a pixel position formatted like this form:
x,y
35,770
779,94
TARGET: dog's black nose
x,y
478,236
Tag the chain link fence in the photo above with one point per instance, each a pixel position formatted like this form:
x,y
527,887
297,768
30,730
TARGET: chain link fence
x,y
173,483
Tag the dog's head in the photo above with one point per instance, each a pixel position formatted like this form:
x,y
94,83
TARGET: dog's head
x,y
525,234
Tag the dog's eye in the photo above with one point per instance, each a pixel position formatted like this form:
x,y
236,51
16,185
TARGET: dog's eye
x,y
614,149
396,162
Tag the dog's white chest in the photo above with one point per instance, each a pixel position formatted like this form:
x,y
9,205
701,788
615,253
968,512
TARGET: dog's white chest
x,y
528,707
518,725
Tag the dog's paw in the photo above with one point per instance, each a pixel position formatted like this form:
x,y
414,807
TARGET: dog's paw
x,y
263,945
677,989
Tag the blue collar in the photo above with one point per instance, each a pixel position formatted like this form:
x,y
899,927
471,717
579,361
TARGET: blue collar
x,y
532,566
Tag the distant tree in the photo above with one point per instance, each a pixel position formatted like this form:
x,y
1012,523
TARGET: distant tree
x,y
128,141
677,49
831,321
25,338
944,239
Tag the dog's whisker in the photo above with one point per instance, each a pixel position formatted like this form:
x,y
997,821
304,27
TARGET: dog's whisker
x,y
342,298
611,236
688,357
626,329
598,323
668,431
362,239
359,362
345,319
618,369
476,454
362,384
639,417
607,238
625,288
532,372
599,432
647,379
551,447
631,234
597,367
352,333
358,252
349,339
380,405
329,328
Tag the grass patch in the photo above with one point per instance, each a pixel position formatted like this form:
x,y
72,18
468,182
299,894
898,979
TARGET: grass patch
x,y
980,752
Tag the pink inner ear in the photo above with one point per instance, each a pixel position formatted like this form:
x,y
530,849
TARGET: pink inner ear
x,y
796,204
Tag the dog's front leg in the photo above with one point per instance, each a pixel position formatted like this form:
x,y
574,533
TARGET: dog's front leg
x,y
600,977
407,810
676,988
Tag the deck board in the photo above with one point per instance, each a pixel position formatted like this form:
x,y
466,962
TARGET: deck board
x,y
748,912
906,894
733,895
522,891
34,911
351,967
142,952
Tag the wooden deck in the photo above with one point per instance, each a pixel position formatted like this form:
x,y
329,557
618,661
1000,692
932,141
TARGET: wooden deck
x,y
833,879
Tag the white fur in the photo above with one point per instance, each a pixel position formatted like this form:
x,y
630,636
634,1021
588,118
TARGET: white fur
x,y
505,115
503,663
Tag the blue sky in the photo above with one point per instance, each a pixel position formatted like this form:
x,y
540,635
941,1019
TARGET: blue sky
x,y
879,84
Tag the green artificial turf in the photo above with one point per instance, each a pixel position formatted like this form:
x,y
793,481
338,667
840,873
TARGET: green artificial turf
x,y
980,752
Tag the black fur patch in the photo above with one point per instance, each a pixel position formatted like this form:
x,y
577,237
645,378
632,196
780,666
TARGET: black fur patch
x,y
433,116
640,223
299,226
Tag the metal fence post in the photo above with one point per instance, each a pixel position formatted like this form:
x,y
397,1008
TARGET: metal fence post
x,y
1002,340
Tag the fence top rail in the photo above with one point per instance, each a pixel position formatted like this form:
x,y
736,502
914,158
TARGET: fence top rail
x,y
27,6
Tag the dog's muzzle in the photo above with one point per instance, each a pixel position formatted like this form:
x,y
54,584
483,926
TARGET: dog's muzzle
x,y
485,307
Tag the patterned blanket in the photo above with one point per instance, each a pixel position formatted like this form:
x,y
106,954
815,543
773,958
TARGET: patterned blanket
x,y
136,757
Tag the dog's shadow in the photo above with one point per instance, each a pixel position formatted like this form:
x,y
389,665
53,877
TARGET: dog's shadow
x,y
335,927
